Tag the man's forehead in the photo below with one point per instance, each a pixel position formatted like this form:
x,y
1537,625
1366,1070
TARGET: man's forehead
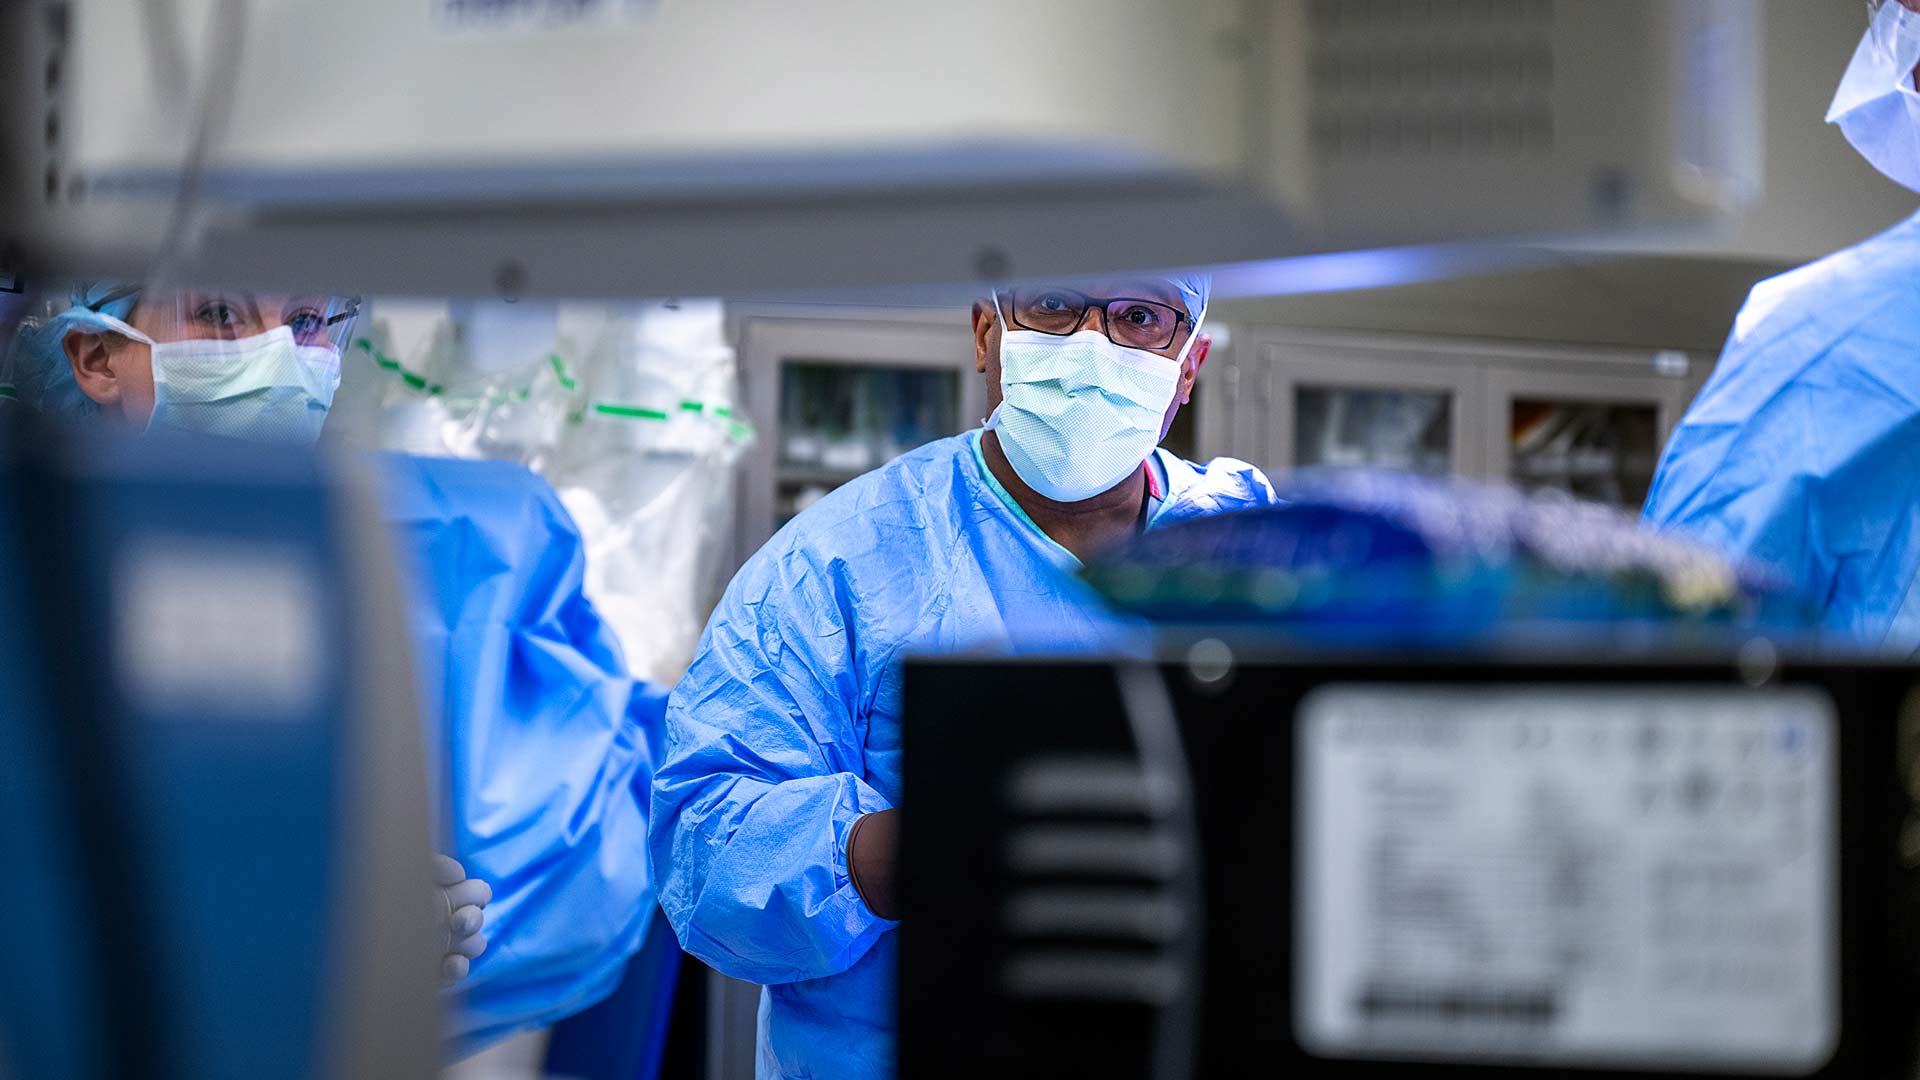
x,y
1139,288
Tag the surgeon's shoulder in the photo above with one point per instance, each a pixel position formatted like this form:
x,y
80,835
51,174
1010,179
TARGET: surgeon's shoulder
x,y
895,504
1216,487
1857,279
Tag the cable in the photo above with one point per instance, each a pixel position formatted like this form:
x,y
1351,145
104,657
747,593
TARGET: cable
x,y
166,53
226,38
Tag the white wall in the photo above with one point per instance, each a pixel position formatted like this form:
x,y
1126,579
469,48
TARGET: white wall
x,y
1820,194
1673,291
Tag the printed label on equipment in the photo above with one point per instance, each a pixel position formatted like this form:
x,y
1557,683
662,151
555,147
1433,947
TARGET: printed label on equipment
x,y
220,629
1568,875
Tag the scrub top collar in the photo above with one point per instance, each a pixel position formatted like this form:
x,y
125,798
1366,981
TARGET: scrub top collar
x,y
1158,482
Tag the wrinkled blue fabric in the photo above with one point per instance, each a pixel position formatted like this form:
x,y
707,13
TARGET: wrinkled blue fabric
x,y
544,745
787,726
1803,450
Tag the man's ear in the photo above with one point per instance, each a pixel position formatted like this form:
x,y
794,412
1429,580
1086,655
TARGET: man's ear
x,y
1195,357
91,357
983,319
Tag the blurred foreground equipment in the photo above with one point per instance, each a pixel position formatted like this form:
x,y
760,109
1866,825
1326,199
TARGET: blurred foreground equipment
x,y
1240,862
211,775
1382,560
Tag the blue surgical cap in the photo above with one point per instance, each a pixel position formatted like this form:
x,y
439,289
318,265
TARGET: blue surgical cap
x,y
41,371
1194,291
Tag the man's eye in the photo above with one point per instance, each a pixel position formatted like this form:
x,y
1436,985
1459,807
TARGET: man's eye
x,y
1141,316
1054,303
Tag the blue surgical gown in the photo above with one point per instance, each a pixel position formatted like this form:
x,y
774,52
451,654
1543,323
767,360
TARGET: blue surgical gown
x,y
1803,450
543,746
787,726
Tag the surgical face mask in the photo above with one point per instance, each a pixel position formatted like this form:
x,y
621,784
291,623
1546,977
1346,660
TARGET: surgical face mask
x,y
267,388
1078,413
1876,106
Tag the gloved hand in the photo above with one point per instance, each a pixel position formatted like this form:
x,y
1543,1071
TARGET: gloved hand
x,y
873,858
461,941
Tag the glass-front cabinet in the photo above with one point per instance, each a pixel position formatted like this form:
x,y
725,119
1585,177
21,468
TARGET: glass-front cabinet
x,y
845,395
1348,426
1587,421
838,393
1322,401
1595,436
838,420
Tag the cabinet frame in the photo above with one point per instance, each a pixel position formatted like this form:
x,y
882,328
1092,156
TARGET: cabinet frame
x,y
1290,363
1669,397
767,343
1270,363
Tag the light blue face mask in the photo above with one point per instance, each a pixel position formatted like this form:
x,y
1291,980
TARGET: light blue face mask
x,y
1876,107
267,388
1078,412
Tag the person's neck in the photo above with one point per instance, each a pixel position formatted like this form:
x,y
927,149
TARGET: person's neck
x,y
1082,527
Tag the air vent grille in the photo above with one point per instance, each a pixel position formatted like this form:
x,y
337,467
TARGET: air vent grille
x,y
1431,78
1094,914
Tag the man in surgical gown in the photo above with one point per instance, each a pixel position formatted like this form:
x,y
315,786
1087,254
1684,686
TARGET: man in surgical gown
x,y
774,812
1803,449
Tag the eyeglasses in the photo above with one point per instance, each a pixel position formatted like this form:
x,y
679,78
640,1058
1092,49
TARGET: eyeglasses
x,y
179,314
1127,321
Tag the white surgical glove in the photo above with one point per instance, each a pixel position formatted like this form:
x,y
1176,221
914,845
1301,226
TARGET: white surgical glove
x,y
463,898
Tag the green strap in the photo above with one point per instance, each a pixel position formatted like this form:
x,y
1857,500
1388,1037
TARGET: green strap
x,y
387,363
738,429
7,390
630,412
